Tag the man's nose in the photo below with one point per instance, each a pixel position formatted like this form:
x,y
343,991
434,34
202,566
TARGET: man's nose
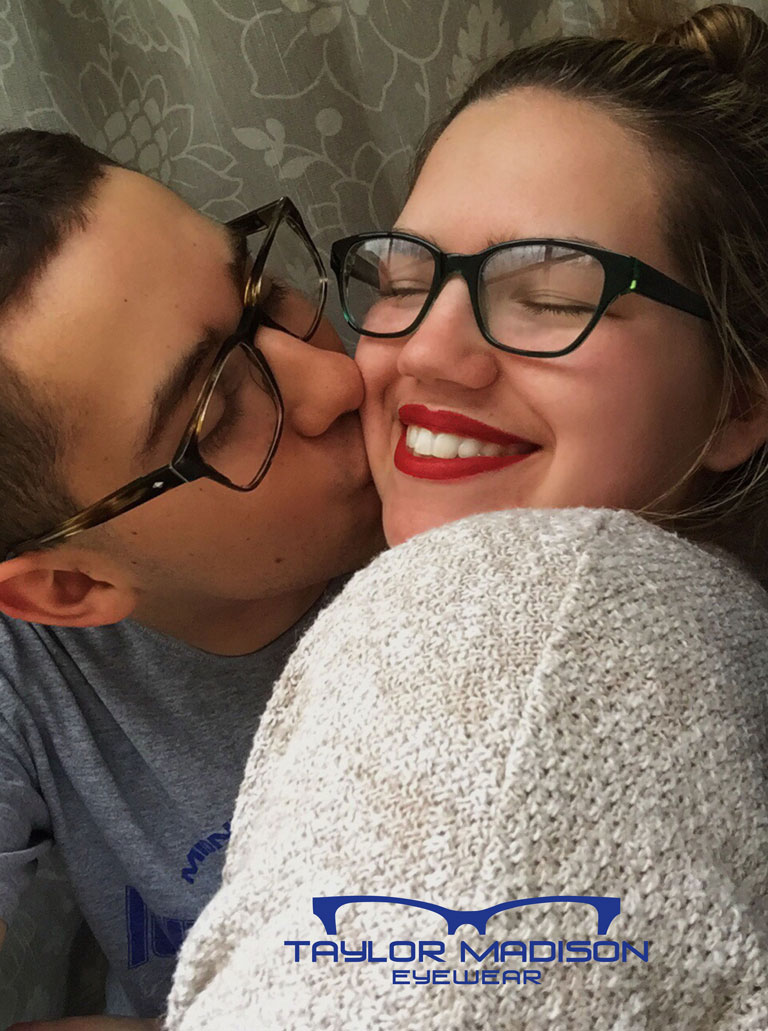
x,y
317,384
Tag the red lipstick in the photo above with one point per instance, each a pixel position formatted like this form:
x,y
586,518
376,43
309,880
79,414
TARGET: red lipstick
x,y
428,468
461,425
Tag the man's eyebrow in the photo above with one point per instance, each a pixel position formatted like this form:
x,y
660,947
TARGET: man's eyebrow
x,y
169,394
172,391
238,243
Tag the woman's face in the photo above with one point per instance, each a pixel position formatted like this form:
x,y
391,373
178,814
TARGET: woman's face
x,y
617,422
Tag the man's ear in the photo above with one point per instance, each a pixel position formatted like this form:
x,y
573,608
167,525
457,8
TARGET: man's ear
x,y
53,587
743,431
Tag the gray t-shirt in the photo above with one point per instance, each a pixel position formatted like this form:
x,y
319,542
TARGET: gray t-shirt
x,y
126,748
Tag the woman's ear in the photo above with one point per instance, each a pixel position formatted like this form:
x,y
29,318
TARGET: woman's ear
x,y
744,429
51,587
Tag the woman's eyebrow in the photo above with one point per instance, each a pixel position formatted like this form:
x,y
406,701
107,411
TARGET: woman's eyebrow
x,y
500,238
494,241
414,232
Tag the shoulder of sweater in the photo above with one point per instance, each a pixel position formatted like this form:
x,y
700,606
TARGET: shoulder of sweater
x,y
617,540
511,558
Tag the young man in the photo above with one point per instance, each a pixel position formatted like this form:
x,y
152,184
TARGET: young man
x,y
139,641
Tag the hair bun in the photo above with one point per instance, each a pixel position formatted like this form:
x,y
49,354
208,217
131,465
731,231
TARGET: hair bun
x,y
733,38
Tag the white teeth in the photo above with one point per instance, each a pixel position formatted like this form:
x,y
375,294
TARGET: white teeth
x,y
424,442
445,445
470,448
491,450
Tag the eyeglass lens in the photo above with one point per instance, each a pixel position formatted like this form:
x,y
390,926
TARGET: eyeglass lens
x,y
242,415
240,421
537,297
291,283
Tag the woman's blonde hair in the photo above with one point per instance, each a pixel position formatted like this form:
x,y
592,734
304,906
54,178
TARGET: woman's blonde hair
x,y
696,93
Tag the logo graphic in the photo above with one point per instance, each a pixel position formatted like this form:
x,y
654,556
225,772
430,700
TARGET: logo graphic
x,y
431,955
325,907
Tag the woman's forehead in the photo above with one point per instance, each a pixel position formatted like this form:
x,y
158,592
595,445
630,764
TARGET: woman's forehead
x,y
536,163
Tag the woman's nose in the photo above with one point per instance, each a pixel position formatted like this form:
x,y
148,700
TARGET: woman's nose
x,y
318,382
448,344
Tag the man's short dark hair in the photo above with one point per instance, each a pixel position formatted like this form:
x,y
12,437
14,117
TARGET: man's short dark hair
x,y
46,182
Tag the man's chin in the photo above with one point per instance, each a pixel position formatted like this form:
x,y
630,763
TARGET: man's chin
x,y
369,540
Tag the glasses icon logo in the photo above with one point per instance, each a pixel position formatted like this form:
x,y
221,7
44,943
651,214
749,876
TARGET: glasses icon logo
x,y
326,908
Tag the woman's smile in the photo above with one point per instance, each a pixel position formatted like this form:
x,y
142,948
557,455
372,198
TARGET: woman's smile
x,y
435,444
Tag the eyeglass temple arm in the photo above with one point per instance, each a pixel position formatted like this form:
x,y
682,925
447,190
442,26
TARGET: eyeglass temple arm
x,y
251,222
120,501
261,218
368,274
651,283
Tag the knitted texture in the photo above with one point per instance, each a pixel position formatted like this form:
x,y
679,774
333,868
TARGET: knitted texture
x,y
518,704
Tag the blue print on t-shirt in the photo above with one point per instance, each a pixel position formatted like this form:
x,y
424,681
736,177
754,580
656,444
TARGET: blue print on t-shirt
x,y
203,848
149,934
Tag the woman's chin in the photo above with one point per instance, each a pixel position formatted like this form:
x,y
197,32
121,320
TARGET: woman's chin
x,y
412,505
401,523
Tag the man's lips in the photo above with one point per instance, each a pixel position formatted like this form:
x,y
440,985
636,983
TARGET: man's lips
x,y
341,447
431,468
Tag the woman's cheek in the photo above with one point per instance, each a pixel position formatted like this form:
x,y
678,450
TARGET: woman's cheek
x,y
373,412
378,369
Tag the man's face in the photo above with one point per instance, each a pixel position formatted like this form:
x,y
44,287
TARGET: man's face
x,y
113,316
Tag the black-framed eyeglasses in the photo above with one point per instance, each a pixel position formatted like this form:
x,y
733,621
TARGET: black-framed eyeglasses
x,y
235,426
540,297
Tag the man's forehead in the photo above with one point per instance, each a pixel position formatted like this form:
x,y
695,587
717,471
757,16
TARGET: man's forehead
x,y
114,310
146,265
131,213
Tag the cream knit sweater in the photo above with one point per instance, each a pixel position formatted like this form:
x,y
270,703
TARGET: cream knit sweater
x,y
520,704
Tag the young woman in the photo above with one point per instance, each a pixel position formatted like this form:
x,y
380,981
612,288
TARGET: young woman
x,y
565,340
600,379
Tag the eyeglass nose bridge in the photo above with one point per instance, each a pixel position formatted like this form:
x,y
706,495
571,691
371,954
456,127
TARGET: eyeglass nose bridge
x,y
449,266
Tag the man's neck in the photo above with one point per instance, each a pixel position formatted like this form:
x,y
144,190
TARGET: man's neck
x,y
229,627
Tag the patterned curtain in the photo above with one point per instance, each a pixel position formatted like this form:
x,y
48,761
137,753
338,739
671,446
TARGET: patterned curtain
x,y
233,103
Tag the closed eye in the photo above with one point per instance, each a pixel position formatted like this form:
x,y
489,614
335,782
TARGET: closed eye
x,y
543,307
